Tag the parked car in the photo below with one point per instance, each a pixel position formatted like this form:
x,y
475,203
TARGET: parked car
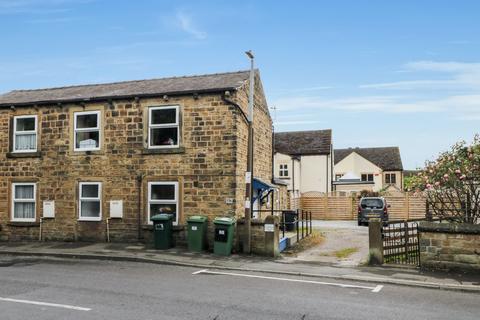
x,y
372,207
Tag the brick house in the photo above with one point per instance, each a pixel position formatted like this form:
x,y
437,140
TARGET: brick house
x,y
82,155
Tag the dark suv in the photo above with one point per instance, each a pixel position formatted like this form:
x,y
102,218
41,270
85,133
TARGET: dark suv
x,y
372,207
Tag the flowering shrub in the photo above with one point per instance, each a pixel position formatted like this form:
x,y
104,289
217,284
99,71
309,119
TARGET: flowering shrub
x,y
452,183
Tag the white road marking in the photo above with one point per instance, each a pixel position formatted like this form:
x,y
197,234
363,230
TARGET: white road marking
x,y
46,304
373,289
377,288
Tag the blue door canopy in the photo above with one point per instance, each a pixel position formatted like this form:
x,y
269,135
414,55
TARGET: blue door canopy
x,y
261,188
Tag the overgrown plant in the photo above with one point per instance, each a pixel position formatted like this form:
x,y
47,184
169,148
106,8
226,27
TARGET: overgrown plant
x,y
451,183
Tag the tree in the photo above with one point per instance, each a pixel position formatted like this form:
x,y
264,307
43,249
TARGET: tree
x,y
451,183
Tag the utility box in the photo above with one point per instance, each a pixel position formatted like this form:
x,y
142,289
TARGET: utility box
x,y
162,231
116,209
49,209
223,240
197,233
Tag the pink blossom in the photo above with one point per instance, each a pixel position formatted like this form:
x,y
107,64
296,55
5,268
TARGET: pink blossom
x,y
437,183
462,177
429,186
445,176
458,171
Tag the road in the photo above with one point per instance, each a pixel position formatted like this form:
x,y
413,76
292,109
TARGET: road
x,y
120,290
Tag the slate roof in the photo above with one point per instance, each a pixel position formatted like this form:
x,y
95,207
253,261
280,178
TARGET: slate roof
x,y
316,142
386,158
176,85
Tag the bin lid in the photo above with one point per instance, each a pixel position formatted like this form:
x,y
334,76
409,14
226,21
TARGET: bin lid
x,y
162,217
224,220
200,219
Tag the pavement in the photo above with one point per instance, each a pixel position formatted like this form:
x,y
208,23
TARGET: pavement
x,y
282,266
45,289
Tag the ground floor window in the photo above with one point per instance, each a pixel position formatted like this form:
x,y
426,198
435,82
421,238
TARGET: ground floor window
x,y
23,202
90,201
163,198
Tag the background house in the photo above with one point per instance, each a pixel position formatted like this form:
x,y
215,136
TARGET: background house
x,y
303,159
116,154
382,166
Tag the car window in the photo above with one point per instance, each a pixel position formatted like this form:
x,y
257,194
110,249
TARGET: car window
x,y
372,203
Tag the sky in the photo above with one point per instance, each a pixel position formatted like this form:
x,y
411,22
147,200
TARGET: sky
x,y
378,73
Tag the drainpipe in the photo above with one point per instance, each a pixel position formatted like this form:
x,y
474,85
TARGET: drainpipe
x,y
139,205
40,231
273,154
326,176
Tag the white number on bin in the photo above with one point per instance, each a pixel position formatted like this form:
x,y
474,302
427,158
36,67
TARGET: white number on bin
x,y
221,232
194,228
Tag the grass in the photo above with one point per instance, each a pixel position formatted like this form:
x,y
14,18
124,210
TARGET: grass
x,y
345,252
313,240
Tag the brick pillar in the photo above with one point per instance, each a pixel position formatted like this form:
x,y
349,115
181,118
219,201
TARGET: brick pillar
x,y
375,241
272,238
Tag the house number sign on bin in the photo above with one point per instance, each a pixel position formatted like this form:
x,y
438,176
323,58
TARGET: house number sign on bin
x,y
194,228
159,226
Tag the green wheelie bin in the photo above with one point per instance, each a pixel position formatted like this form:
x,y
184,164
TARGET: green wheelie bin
x,y
197,233
223,240
162,230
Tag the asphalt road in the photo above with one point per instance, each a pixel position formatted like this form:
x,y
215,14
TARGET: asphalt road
x,y
118,290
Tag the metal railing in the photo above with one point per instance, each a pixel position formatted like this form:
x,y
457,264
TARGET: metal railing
x,y
401,242
297,220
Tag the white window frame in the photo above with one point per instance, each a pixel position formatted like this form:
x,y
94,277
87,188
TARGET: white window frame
x,y
89,199
367,176
97,128
175,201
283,167
34,200
15,133
160,126
390,174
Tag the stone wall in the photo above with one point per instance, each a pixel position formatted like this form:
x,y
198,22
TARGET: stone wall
x,y
262,242
208,165
449,246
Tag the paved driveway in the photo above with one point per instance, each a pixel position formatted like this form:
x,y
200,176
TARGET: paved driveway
x,y
346,244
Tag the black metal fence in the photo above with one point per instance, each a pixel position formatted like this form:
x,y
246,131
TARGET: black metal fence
x,y
401,243
293,221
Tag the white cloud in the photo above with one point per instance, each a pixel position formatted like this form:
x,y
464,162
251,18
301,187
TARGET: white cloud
x,y
186,23
463,76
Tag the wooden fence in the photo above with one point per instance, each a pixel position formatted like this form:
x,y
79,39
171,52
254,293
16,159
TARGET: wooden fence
x,y
329,207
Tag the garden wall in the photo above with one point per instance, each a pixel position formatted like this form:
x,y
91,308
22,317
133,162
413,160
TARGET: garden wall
x,y
448,246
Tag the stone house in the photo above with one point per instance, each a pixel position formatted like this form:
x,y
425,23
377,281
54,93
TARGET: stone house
x,y
76,161
373,169
303,159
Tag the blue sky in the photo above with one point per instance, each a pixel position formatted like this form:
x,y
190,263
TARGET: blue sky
x,y
378,73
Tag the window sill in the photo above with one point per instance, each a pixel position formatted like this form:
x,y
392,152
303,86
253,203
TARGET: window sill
x,y
36,154
87,152
23,224
284,178
164,151
89,220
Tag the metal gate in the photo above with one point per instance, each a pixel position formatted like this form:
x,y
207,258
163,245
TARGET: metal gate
x,y
400,243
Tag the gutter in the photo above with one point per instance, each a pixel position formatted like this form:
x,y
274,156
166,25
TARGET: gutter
x,y
114,97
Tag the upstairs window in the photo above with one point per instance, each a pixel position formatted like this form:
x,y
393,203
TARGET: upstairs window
x,y
25,134
163,198
23,202
87,130
390,178
163,127
283,170
90,201
367,177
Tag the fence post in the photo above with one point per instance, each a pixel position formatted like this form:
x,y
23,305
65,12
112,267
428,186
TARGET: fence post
x,y
375,251
407,205
303,228
296,226
407,240
311,222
